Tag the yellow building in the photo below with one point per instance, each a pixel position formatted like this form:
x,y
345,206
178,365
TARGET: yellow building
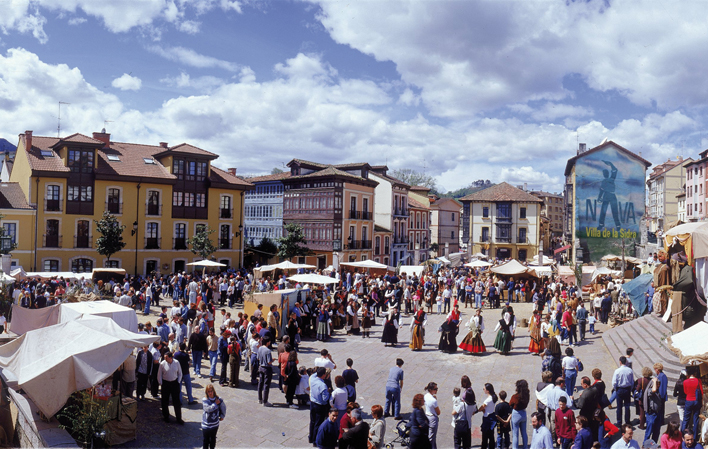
x,y
161,194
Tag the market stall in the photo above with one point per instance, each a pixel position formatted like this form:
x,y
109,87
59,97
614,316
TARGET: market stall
x,y
25,320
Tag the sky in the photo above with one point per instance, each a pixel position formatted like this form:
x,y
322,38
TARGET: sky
x,y
461,90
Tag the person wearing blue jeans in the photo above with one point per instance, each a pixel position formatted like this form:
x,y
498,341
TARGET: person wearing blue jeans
x,y
394,385
183,358
694,395
519,401
622,384
570,371
213,345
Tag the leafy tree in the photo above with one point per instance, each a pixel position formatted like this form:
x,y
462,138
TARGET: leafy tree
x,y
267,246
111,239
434,247
293,243
201,243
415,178
276,170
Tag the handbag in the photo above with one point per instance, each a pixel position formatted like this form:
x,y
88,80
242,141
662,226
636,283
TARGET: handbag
x,y
580,366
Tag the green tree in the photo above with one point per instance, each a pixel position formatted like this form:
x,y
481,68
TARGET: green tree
x,y
111,239
267,247
415,178
275,171
293,243
434,248
201,243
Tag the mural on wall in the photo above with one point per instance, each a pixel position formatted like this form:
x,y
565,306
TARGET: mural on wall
x,y
610,192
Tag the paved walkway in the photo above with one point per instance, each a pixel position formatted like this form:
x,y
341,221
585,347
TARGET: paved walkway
x,y
250,425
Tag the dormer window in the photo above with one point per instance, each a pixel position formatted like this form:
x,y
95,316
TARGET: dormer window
x,y
46,153
80,161
113,158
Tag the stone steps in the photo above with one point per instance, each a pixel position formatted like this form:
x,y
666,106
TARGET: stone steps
x,y
647,335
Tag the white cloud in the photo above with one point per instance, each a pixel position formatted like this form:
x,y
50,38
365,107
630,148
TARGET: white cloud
x,y
192,58
323,117
190,26
77,21
471,57
127,82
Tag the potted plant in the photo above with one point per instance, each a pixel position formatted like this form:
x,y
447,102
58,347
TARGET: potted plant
x,y
84,418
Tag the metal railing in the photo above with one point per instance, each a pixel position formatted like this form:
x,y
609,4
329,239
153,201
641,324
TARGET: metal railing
x,y
114,208
354,214
225,243
226,213
83,241
366,215
51,241
53,205
152,242
179,243
484,238
153,209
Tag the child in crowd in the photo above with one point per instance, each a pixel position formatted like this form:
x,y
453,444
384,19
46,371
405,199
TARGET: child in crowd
x,y
302,391
503,412
591,322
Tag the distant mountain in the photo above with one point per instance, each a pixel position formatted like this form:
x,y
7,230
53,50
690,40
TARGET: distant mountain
x,y
6,146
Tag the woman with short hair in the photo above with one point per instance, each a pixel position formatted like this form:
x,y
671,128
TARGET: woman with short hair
x,y
377,430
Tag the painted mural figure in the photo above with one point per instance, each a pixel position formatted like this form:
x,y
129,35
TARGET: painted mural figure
x,y
607,195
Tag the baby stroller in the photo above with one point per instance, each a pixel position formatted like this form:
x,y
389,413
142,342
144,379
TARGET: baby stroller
x,y
403,435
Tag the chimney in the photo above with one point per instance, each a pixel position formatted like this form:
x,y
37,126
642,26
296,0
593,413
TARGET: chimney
x,y
28,140
232,171
163,144
103,136
581,148
526,186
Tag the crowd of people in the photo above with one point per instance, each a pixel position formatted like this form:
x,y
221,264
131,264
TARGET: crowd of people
x,y
197,329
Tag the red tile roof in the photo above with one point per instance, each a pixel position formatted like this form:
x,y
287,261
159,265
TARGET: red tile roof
x,y
131,161
420,188
79,138
219,176
12,196
572,160
501,192
416,204
185,148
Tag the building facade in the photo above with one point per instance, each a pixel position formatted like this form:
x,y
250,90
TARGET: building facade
x,y
664,184
418,226
445,224
606,195
552,208
681,200
391,210
162,194
335,206
263,213
504,222
382,245
695,188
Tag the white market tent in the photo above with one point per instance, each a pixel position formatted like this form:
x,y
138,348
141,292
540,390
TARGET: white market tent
x,y
541,270
25,320
206,263
690,343
312,278
604,270
365,264
478,264
411,269
286,265
510,268
480,256
546,260
53,362
444,260
56,274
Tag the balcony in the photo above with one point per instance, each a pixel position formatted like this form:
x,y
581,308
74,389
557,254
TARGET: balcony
x,y
179,243
366,215
354,214
365,244
152,242
501,239
398,240
386,250
52,205
503,219
484,238
522,240
377,251
358,244
400,212
51,241
225,243
114,208
82,241
153,209
226,213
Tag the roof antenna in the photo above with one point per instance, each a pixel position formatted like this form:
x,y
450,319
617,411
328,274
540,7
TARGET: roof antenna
x,y
59,119
105,123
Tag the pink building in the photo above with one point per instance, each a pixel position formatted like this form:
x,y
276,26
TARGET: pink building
x,y
696,209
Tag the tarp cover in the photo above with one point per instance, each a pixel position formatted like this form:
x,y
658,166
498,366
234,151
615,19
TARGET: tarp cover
x,y
691,343
365,264
312,278
510,268
693,236
411,269
636,289
53,362
478,264
24,320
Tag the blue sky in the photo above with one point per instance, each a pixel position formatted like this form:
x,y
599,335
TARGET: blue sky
x,y
465,90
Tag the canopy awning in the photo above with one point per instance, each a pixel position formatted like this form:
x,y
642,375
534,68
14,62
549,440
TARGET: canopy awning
x,y
478,264
206,263
286,265
510,268
411,269
52,363
365,264
25,320
690,344
312,278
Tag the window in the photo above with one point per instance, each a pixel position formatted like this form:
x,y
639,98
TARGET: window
x,y
503,211
225,207
178,168
46,153
188,200
152,240
485,212
11,231
452,234
112,264
200,200
365,204
113,158
453,216
522,235
504,233
153,206
113,204
522,212
81,265
53,203
178,199
201,171
51,237
225,237
191,170
51,265
80,161
200,227
149,160
485,234
81,239
352,206
80,193
180,236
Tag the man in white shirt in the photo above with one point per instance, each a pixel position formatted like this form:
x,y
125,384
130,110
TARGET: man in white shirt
x,y
193,287
325,360
169,376
622,384
626,442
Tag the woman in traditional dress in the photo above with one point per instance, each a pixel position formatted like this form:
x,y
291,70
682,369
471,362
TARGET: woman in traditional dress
x,y
504,334
473,341
323,324
390,329
366,318
536,345
353,317
448,335
418,330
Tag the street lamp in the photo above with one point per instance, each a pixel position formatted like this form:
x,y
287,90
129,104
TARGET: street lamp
x,y
135,233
